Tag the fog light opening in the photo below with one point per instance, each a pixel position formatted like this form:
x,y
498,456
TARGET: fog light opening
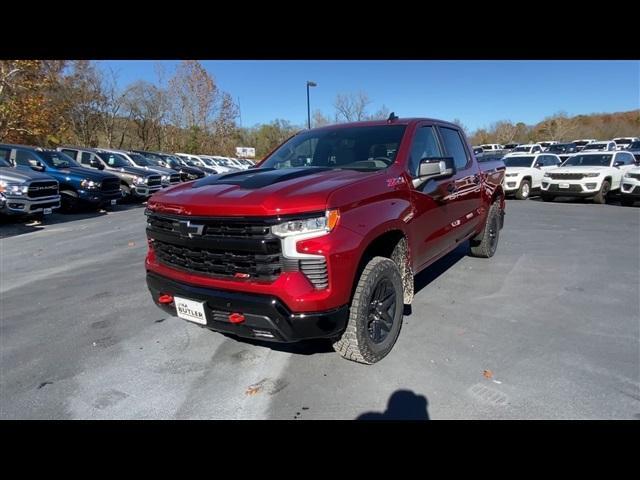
x,y
165,299
236,318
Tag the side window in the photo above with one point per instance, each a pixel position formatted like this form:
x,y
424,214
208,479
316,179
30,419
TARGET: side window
x,y
454,147
5,154
71,153
425,144
85,158
626,158
26,158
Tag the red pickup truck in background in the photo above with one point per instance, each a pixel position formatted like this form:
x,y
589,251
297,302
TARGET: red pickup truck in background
x,y
324,237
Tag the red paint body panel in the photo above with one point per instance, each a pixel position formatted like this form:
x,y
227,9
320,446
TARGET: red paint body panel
x,y
370,204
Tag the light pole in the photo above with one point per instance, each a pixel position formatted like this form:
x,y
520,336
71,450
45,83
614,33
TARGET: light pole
x,y
309,84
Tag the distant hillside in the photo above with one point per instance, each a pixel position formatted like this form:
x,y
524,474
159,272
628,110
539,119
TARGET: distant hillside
x,y
560,127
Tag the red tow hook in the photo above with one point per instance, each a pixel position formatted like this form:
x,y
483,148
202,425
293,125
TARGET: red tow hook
x,y
165,299
236,318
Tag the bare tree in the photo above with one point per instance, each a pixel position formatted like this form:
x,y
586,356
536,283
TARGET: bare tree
x,y
381,114
351,107
557,127
319,120
147,107
504,131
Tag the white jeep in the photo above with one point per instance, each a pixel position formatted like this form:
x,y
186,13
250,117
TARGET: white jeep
x,y
630,189
524,173
587,174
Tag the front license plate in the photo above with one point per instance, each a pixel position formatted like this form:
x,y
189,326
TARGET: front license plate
x,y
563,185
47,211
113,202
190,310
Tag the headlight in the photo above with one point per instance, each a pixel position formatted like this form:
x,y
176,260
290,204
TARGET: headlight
x,y
626,175
90,184
139,180
590,174
547,174
13,189
511,175
322,224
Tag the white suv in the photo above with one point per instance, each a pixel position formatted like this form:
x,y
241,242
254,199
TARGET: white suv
x,y
587,174
630,189
525,172
608,146
492,147
527,149
623,142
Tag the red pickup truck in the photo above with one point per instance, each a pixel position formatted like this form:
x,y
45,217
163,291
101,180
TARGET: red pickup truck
x,y
324,237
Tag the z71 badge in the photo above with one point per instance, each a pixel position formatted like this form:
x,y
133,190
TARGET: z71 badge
x,y
392,182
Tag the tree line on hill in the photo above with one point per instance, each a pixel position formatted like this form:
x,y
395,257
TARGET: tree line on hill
x,y
56,102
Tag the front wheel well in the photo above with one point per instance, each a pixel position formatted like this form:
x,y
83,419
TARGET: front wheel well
x,y
394,245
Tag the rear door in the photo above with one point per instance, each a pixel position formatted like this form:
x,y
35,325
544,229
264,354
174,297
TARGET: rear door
x,y
464,188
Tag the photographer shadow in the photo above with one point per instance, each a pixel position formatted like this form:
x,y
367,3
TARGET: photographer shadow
x,y
402,405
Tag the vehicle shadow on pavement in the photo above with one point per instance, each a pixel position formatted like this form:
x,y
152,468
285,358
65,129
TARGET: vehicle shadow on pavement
x,y
431,273
304,347
13,226
402,405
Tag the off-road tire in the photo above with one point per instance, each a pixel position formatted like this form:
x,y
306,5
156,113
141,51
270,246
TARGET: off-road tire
x,y
486,245
355,343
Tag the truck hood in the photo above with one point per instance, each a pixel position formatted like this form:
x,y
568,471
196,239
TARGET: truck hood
x,y
580,169
255,192
160,170
141,172
13,175
88,173
519,170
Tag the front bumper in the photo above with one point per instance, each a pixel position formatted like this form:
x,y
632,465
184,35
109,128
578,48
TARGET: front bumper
x,y
27,206
145,191
588,188
630,188
266,317
97,197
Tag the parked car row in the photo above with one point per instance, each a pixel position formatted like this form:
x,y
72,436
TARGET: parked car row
x,y
593,174
618,143
35,181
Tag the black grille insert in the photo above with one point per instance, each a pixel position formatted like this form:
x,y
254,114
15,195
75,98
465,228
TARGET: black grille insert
x,y
566,176
110,185
316,271
42,189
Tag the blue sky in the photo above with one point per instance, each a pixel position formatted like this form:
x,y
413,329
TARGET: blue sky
x,y
476,92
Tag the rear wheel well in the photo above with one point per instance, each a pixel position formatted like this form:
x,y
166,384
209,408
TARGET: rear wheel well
x,y
392,244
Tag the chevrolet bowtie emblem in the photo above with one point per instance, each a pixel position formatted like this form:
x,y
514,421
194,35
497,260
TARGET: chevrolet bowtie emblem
x,y
187,229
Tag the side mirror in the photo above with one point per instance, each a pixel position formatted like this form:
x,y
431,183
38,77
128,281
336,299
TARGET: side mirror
x,y
39,166
436,167
96,164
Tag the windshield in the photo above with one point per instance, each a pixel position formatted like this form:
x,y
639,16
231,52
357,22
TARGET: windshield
x,y
518,161
522,149
355,148
114,160
561,148
620,141
58,160
581,143
603,160
139,160
634,146
596,146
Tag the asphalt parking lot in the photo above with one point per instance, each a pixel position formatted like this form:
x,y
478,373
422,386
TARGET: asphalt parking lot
x,y
547,329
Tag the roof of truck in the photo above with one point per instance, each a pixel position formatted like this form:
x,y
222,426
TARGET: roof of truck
x,y
396,121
